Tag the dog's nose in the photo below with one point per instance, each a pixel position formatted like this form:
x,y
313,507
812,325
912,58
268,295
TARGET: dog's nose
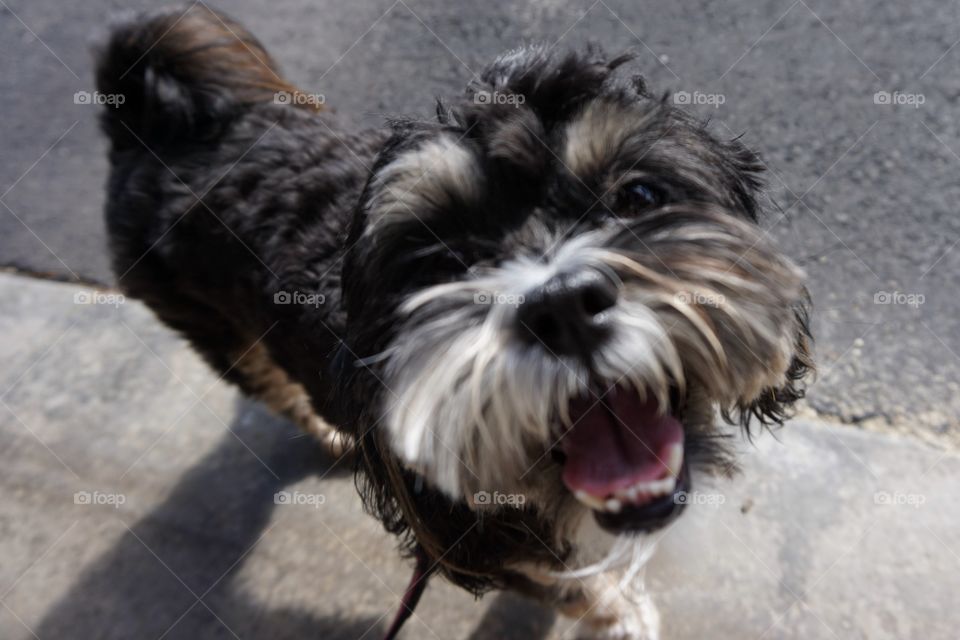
x,y
566,313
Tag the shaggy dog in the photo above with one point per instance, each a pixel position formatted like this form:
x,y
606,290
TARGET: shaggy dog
x,y
535,319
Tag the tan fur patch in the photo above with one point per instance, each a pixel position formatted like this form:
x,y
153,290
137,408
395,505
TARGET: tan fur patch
x,y
271,385
593,140
435,175
224,53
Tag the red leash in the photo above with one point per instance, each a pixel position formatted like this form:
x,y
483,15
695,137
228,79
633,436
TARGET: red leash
x,y
418,584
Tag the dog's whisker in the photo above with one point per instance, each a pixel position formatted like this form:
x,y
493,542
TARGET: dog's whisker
x,y
374,359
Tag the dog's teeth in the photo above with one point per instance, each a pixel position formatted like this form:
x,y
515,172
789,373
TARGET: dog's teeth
x,y
643,491
675,460
666,486
639,492
597,504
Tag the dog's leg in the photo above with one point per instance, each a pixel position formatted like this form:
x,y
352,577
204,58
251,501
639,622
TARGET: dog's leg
x,y
229,353
261,378
606,610
602,607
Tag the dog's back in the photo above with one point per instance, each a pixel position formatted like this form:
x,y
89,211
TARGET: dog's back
x,y
222,197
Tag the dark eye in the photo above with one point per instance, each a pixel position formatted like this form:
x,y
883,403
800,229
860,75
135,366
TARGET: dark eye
x,y
638,196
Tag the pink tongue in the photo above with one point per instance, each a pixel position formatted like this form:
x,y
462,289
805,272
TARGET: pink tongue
x,y
615,446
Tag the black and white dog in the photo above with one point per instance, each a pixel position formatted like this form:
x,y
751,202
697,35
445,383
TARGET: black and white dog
x,y
536,318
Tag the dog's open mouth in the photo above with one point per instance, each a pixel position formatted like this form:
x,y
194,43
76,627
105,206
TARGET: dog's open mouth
x,y
624,459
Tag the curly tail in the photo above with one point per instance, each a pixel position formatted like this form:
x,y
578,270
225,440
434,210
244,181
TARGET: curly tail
x,y
183,75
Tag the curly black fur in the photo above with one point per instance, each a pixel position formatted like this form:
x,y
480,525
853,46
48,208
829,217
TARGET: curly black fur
x,y
219,199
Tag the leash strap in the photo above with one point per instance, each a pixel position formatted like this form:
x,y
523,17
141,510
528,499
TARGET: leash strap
x,y
415,589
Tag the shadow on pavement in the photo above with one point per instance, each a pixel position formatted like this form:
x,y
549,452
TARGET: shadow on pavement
x,y
511,616
199,536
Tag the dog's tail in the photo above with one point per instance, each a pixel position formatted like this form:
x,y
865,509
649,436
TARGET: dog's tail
x,y
181,75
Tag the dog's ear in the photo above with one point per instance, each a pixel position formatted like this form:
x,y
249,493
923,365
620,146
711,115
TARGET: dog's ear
x,y
775,404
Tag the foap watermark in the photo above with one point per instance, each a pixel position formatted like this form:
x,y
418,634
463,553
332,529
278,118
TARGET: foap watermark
x,y
686,98
701,298
497,499
299,297
499,97
100,99
299,98
97,498
99,297
696,497
899,298
495,297
298,498
899,499
899,99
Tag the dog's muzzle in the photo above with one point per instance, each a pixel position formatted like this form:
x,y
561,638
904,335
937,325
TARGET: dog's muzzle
x,y
623,456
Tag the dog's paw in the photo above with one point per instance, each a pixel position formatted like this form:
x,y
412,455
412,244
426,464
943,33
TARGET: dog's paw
x,y
620,630
617,631
639,622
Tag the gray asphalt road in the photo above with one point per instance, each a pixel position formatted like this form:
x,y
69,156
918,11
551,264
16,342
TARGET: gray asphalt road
x,y
866,192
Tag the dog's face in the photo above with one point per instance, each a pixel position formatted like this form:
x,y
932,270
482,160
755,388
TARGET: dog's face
x,y
557,285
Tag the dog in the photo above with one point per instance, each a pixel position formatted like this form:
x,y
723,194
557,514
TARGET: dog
x,y
530,321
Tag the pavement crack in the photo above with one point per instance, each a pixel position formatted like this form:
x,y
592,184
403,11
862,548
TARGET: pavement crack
x,y
52,276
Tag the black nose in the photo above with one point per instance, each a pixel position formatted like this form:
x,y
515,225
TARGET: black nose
x,y
566,313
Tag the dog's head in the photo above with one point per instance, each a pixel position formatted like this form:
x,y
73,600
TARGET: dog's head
x,y
554,288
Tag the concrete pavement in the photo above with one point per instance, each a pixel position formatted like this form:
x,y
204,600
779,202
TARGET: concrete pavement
x,y
139,501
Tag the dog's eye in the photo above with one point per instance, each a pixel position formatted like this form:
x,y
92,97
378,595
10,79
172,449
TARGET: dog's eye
x,y
638,196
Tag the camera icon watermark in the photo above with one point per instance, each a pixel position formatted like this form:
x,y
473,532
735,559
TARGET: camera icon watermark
x,y
298,498
299,98
687,98
497,499
99,297
700,298
97,498
99,99
494,297
299,298
899,298
899,499
499,97
898,98
698,498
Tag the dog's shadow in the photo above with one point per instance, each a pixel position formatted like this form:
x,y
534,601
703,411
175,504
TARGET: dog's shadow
x,y
197,539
